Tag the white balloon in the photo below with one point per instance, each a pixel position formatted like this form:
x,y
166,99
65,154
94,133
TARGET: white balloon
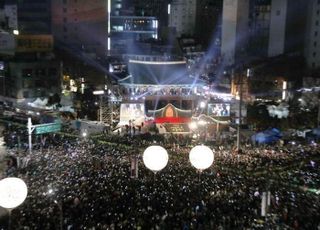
x,y
13,192
201,157
155,158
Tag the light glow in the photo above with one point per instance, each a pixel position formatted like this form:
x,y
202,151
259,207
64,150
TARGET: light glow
x,y
13,192
201,157
155,158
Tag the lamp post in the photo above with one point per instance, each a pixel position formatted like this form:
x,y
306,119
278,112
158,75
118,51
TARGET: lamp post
x,y
13,192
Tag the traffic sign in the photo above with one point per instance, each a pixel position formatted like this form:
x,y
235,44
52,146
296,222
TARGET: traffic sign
x,y
48,128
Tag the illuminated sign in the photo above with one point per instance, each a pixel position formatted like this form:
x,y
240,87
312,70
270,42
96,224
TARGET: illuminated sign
x,y
34,43
176,128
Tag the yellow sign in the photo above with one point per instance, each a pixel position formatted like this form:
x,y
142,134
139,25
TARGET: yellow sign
x,y
34,43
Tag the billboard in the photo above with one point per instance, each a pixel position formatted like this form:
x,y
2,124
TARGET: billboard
x,y
219,110
133,112
34,43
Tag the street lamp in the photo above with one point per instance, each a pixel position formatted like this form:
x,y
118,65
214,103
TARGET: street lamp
x,y
13,192
155,158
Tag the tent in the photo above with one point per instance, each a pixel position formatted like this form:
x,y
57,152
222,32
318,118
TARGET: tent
x,y
268,136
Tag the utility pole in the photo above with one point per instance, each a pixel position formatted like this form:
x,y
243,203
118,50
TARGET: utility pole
x,y
240,113
240,107
30,130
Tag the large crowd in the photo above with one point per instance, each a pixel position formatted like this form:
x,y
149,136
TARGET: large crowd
x,y
87,183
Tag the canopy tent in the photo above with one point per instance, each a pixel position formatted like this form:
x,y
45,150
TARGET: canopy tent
x,y
39,103
268,136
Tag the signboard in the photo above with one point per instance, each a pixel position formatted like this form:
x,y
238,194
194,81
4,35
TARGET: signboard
x,y
34,43
48,128
177,128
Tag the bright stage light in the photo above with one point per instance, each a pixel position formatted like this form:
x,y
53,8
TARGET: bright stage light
x,y
155,158
13,192
201,157
202,104
193,125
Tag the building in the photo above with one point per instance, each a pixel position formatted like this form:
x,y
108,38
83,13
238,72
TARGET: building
x,y
235,29
28,67
34,16
128,31
81,25
31,79
209,23
182,17
312,41
262,28
154,8
131,25
29,16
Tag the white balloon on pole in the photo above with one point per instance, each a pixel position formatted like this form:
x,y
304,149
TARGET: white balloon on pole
x,y
155,158
201,157
13,192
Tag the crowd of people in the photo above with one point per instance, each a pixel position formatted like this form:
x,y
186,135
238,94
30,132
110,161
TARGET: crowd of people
x,y
86,183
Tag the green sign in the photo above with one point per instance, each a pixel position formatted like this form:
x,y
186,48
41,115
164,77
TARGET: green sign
x,y
48,128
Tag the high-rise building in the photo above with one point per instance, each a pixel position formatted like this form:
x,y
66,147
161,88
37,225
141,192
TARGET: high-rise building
x,y
182,16
235,29
81,24
154,8
209,22
128,28
262,28
312,41
34,16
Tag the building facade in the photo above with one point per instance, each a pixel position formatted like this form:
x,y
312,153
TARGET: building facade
x,y
182,16
33,79
312,40
262,28
235,29
81,24
209,22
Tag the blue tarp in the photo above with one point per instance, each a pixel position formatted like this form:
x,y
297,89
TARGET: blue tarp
x,y
267,137
316,132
